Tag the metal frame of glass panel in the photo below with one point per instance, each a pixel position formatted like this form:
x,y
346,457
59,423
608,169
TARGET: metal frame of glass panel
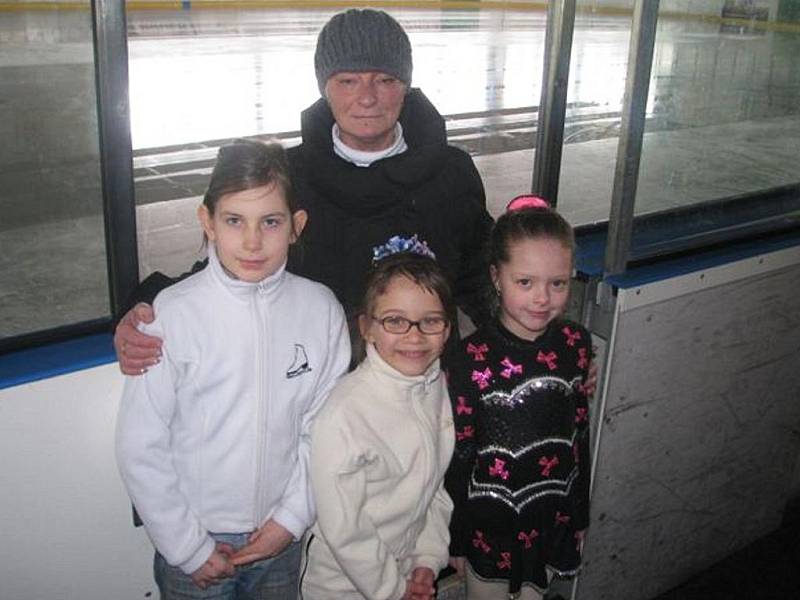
x,y
116,153
629,150
116,167
553,102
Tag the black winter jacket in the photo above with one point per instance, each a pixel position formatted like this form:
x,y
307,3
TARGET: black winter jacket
x,y
431,189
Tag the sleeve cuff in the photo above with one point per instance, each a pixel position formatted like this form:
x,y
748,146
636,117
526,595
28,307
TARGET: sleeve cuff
x,y
291,523
430,562
199,558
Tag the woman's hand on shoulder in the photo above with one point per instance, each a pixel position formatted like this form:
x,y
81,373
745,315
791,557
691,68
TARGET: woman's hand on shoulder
x,y
136,351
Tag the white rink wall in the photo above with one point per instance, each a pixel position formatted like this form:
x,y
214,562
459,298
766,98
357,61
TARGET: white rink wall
x,y
64,514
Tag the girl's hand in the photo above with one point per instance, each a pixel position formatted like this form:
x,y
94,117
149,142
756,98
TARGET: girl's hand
x,y
135,350
267,542
215,568
591,380
457,562
420,586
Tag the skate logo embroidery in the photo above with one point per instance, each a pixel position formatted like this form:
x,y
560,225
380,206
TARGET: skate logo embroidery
x,y
299,364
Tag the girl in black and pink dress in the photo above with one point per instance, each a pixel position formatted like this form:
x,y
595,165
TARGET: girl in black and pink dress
x,y
520,474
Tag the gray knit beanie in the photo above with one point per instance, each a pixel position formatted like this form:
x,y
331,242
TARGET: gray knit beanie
x,y
362,40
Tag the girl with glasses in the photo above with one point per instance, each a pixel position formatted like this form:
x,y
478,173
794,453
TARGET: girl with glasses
x,y
382,443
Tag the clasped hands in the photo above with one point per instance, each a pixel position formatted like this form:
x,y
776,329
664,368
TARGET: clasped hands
x,y
420,585
268,541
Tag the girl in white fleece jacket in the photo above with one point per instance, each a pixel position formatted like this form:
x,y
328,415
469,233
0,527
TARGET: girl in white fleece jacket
x,y
213,442
381,445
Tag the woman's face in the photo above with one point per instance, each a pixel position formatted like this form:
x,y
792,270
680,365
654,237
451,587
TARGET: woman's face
x,y
366,107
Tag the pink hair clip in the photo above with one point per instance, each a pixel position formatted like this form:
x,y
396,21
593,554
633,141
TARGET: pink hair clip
x,y
526,201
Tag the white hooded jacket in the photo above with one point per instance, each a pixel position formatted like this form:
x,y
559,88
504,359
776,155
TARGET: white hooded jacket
x,y
215,438
379,451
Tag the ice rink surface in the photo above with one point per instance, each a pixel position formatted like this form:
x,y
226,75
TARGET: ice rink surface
x,y
722,120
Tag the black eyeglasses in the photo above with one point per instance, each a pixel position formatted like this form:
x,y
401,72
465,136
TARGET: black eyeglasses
x,y
399,325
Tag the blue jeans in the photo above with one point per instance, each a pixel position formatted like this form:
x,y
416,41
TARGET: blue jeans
x,y
269,579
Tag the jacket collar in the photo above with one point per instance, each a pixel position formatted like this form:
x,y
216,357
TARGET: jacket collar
x,y
364,158
385,370
384,185
243,290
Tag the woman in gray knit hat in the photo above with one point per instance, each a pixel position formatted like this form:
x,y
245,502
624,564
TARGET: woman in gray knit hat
x,y
363,67
374,162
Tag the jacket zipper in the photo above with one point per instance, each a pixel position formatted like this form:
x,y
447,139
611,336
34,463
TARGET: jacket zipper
x,y
260,361
423,424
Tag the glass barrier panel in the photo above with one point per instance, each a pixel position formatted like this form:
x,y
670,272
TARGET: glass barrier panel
x,y
52,249
598,68
201,77
723,113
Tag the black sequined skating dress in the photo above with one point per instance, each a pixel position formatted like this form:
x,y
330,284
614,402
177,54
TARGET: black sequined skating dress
x,y
520,473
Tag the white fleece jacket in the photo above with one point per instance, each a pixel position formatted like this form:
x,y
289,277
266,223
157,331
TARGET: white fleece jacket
x,y
379,451
216,437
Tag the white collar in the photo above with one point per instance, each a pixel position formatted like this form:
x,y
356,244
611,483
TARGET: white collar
x,y
379,365
237,287
362,158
